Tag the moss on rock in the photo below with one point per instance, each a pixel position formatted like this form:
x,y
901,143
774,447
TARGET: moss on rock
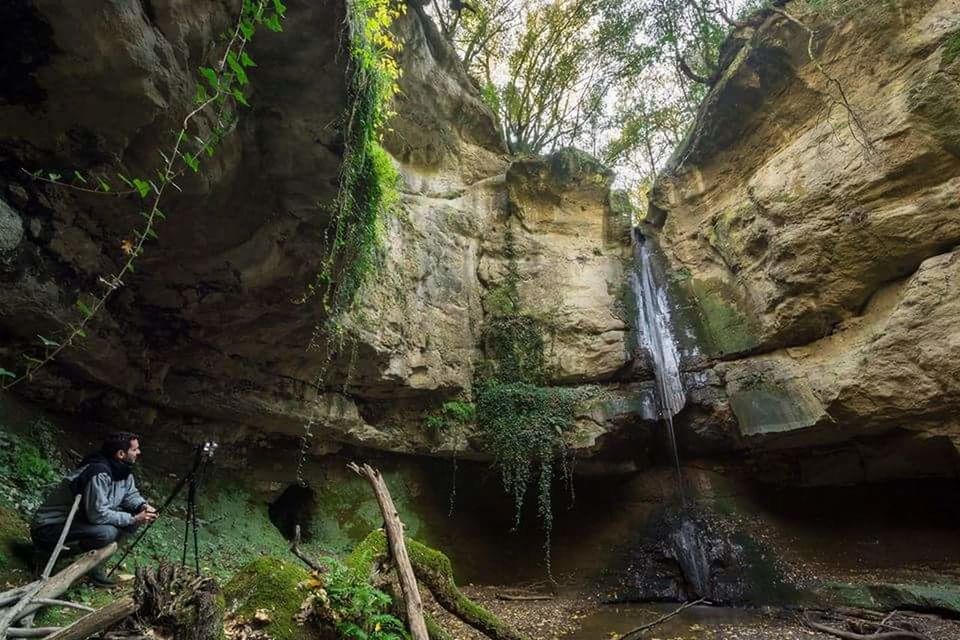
x,y
937,598
935,101
14,542
273,586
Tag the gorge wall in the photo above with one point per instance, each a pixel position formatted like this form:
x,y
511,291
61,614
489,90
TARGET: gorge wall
x,y
813,278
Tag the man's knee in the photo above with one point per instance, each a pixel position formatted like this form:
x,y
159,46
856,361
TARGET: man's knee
x,y
99,536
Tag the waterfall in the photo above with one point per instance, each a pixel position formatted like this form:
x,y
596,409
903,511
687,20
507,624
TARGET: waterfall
x,y
653,325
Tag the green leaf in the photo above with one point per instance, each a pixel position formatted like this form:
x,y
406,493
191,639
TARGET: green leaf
x,y
53,176
246,28
202,95
125,180
192,161
211,77
142,187
160,214
47,342
151,233
272,22
237,68
5,373
279,7
104,186
84,309
239,97
246,60
79,177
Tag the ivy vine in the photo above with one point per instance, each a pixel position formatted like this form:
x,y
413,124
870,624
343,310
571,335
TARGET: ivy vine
x,y
523,421
220,91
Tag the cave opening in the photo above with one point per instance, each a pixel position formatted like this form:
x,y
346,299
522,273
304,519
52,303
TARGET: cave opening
x,y
297,505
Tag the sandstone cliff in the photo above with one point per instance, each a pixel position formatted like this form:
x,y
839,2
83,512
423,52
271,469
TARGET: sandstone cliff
x,y
810,260
815,242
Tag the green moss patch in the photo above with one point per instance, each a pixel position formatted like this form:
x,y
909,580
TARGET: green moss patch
x,y
728,327
937,598
15,566
274,587
951,48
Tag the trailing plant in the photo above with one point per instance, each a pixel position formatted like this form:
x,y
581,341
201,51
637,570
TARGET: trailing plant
x,y
219,92
367,189
523,421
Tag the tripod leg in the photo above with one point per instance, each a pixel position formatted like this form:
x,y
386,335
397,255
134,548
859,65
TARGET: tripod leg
x,y
188,520
196,544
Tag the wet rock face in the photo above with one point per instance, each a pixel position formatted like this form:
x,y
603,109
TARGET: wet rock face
x,y
688,554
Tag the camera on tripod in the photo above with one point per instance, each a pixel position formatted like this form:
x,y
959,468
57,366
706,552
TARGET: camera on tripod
x,y
203,454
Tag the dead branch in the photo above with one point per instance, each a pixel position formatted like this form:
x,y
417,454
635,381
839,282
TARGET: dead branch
x,y
510,598
295,549
98,621
633,634
36,632
57,585
398,550
53,602
899,634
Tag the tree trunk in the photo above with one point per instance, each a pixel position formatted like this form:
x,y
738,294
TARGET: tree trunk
x,y
99,620
398,549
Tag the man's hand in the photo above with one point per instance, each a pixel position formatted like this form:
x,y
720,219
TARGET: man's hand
x,y
145,516
146,506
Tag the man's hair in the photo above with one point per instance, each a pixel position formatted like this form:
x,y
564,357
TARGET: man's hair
x,y
118,441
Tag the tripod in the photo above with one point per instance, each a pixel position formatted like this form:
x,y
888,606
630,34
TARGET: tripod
x,y
202,456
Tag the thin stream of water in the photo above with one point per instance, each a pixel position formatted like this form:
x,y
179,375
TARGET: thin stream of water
x,y
653,316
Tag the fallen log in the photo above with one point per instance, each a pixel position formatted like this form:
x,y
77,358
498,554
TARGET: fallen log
x,y
434,570
398,550
23,607
58,584
98,621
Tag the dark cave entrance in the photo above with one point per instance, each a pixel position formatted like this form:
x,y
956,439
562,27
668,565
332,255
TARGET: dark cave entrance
x,y
297,505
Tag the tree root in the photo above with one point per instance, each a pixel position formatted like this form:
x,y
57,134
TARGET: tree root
x,y
895,633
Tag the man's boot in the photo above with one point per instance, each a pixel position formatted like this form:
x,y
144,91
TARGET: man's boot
x,y
100,578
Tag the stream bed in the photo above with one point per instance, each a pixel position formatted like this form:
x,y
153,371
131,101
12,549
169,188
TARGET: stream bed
x,y
611,621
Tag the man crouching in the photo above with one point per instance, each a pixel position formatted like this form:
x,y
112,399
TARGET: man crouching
x,y
110,507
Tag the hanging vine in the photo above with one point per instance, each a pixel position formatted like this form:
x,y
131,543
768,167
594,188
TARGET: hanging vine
x,y
367,189
220,91
523,420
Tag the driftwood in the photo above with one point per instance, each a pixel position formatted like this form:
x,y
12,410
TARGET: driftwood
x,y
635,633
398,550
98,621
